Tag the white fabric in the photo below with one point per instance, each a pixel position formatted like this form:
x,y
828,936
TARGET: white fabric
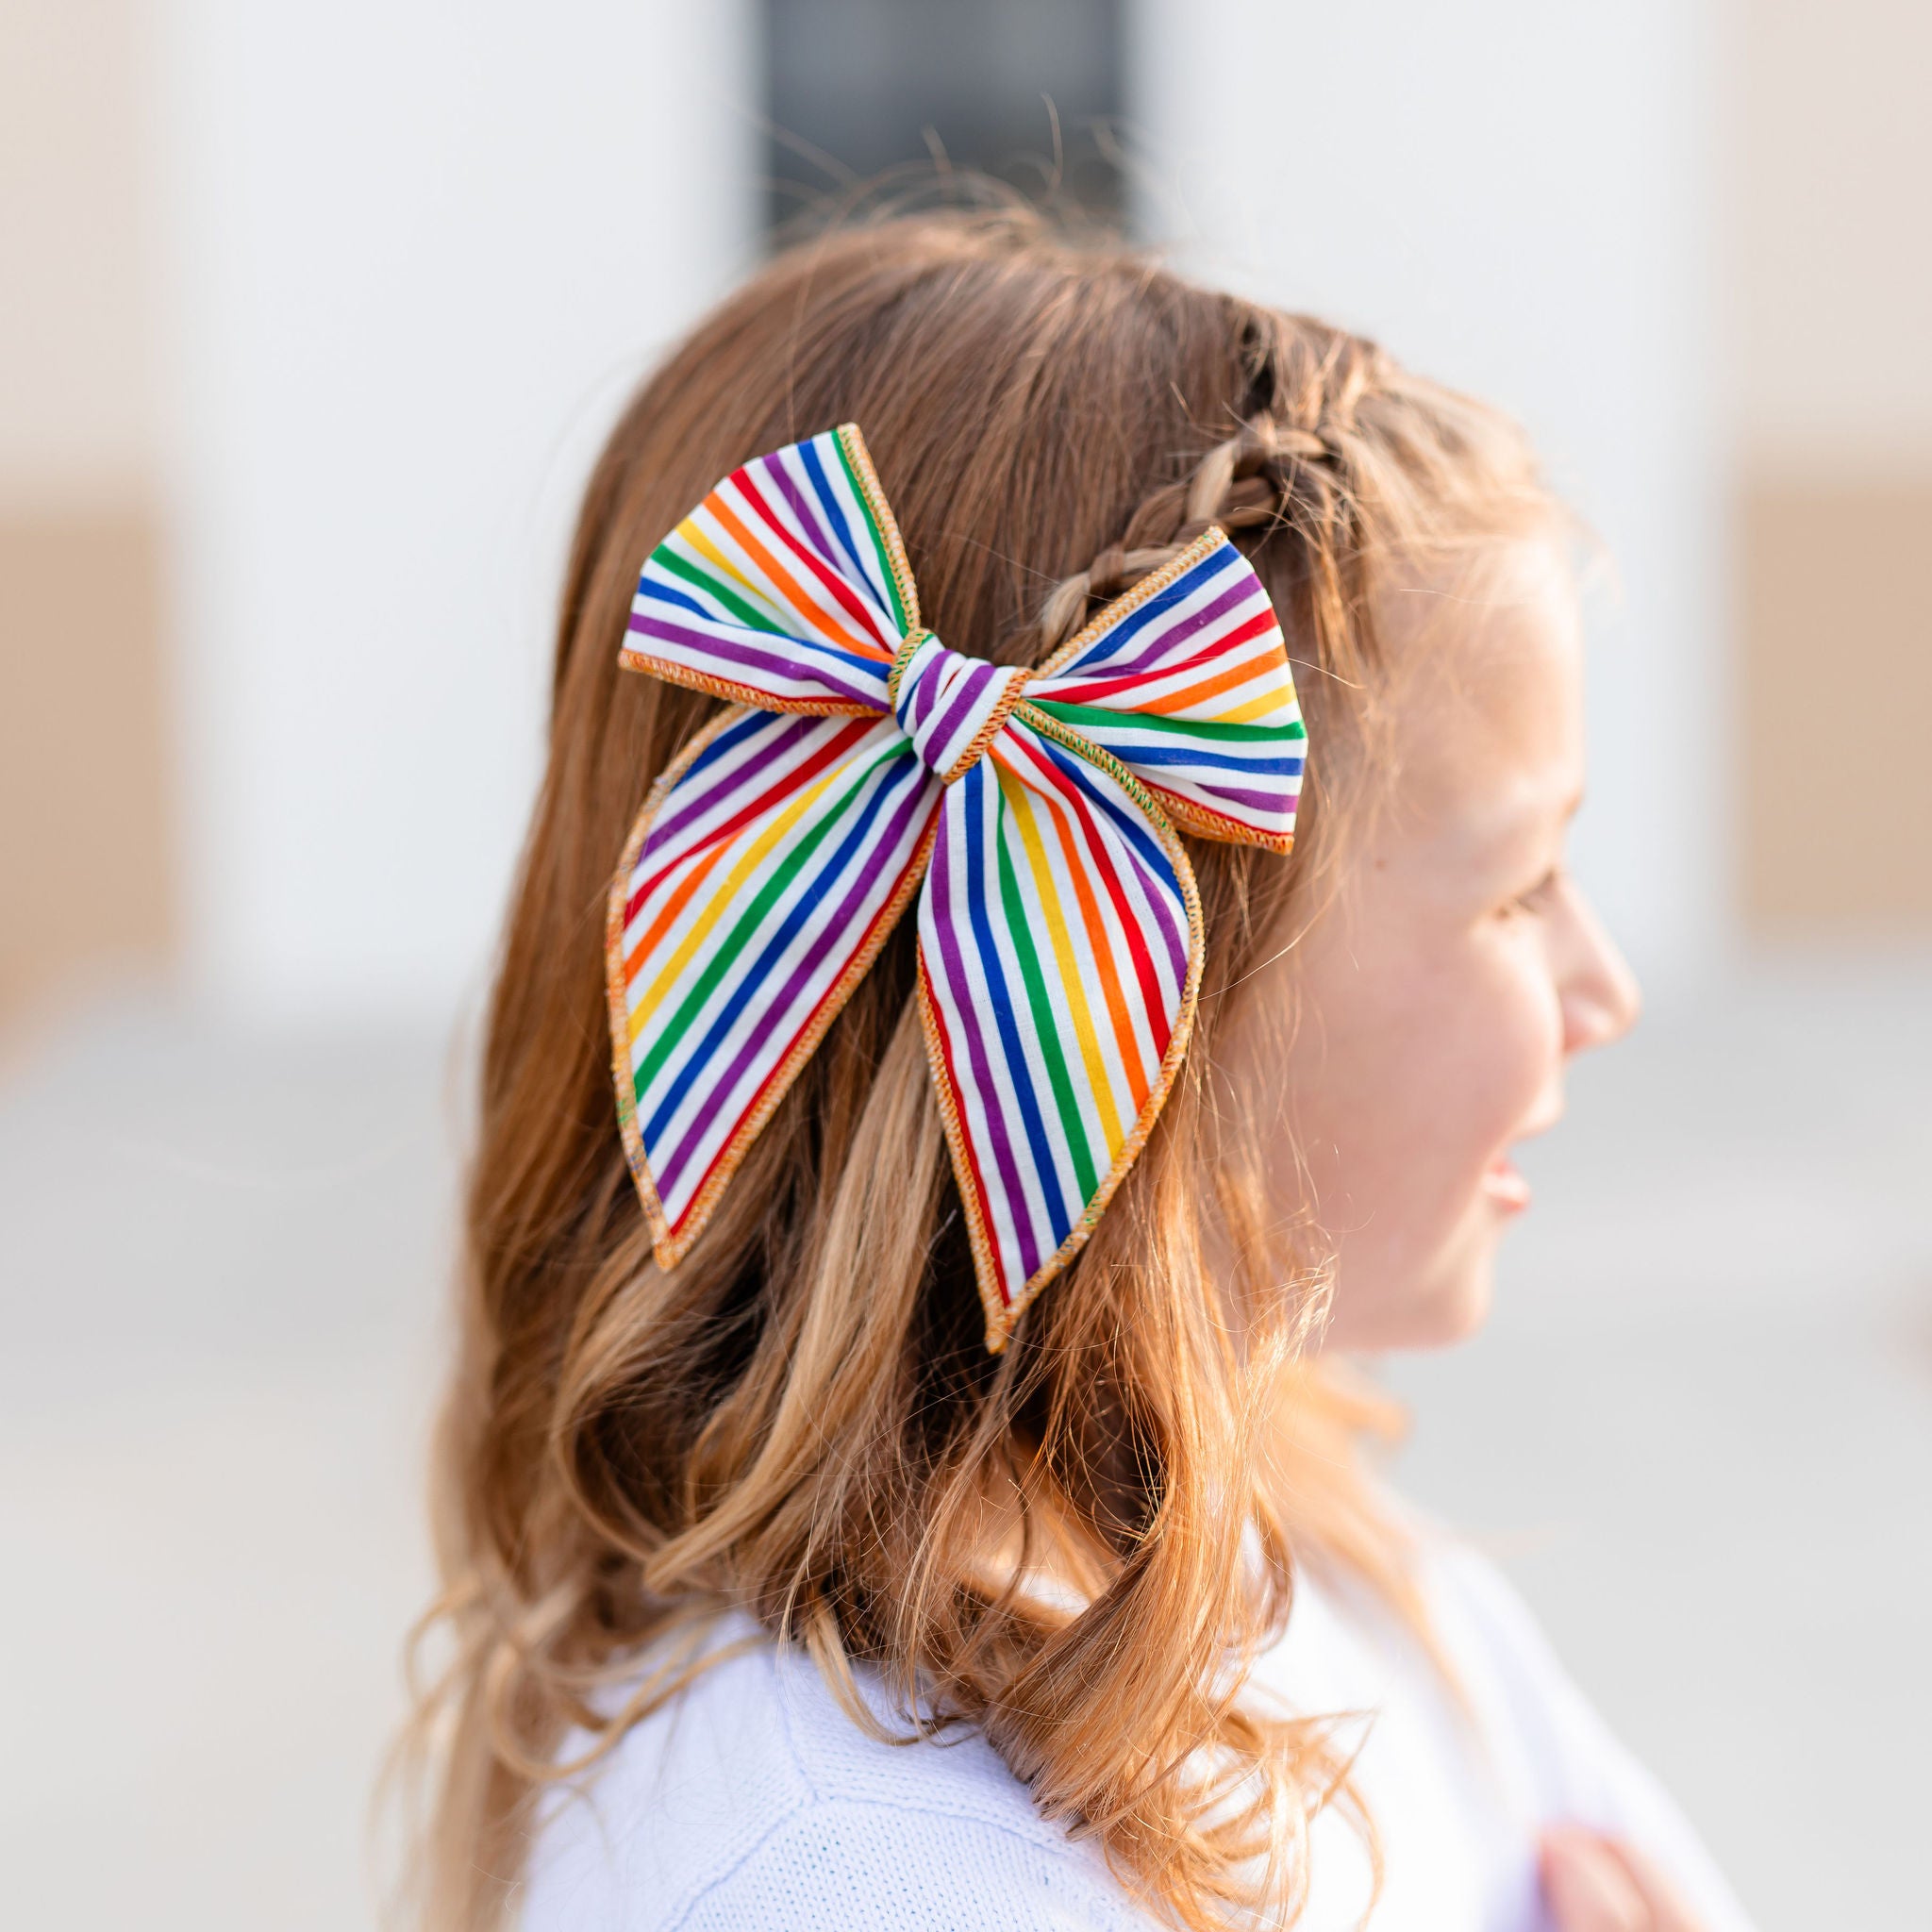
x,y
754,1804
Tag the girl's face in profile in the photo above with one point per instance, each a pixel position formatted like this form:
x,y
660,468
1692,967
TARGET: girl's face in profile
x,y
1456,971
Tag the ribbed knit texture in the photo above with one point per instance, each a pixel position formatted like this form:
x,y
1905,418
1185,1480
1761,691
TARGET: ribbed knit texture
x,y
755,1805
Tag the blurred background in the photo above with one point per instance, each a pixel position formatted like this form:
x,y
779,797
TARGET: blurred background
x,y
314,319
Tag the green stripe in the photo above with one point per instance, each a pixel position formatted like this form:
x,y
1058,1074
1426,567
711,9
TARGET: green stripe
x,y
705,578
777,882
1093,719
1046,1020
878,539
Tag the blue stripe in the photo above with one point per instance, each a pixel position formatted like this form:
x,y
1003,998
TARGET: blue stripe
x,y
1128,821
1167,754
807,897
973,784
834,511
689,797
1157,871
1110,643
728,741
649,586
732,630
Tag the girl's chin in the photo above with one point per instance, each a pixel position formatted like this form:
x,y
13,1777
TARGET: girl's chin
x,y
1447,1308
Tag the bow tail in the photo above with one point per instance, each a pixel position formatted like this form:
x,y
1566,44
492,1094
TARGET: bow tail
x,y
1059,952
767,867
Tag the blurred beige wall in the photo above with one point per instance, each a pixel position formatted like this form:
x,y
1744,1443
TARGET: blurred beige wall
x,y
1832,286
84,850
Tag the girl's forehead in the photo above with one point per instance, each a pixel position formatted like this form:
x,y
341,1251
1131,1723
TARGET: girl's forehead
x,y
1487,694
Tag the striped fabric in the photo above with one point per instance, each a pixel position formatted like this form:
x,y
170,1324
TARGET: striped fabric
x,y
1035,814
949,706
1185,680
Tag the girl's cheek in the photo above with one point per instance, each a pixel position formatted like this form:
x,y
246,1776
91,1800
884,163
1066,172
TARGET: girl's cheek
x,y
1498,1033
1529,1023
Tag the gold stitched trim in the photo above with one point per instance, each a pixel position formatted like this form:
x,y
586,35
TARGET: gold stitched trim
x,y
985,1274
908,648
995,720
622,1074
987,731
1206,823
853,444
745,694
667,1248
1130,601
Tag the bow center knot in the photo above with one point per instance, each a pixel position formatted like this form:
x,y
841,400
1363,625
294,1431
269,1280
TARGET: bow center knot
x,y
949,704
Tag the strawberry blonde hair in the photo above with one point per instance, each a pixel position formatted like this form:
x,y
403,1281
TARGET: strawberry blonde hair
x,y
801,1419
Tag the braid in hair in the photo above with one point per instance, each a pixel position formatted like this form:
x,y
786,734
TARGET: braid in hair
x,y
1288,466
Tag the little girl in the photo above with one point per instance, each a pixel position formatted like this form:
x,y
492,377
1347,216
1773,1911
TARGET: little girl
x,y
901,1469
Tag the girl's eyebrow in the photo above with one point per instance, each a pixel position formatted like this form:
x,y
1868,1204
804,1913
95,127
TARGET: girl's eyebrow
x,y
1522,819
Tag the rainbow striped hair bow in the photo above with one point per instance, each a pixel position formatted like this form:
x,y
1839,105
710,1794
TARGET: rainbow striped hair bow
x,y
1034,812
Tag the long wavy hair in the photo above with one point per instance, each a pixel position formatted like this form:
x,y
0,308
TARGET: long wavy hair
x,y
802,1419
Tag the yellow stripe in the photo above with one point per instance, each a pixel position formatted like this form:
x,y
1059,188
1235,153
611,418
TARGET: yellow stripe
x,y
727,890
1071,975
1265,681
1256,709
708,550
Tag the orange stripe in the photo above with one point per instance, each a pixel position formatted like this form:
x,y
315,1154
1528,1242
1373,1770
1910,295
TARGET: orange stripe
x,y
673,906
794,590
1073,847
1205,688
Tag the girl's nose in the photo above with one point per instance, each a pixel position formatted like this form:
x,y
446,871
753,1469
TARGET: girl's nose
x,y
1600,995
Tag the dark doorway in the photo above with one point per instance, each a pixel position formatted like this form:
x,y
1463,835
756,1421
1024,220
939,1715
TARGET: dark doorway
x,y
871,97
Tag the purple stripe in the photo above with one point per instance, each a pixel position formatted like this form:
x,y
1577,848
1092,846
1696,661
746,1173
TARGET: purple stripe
x,y
1267,803
926,692
761,660
1157,896
939,887
755,770
1160,898
1182,629
1150,617
781,1003
960,705
814,530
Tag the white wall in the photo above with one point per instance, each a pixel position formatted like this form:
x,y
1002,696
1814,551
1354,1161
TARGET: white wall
x,y
76,406
1830,198
410,256
1516,197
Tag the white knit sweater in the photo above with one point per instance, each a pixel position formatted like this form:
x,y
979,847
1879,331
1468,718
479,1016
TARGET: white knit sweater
x,y
754,1804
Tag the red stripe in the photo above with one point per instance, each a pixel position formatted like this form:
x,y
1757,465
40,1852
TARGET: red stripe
x,y
1157,1023
667,913
778,1066
1113,993
1089,692
812,560
772,794
945,1041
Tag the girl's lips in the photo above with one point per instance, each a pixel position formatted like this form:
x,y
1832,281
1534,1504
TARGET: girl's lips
x,y
1505,1185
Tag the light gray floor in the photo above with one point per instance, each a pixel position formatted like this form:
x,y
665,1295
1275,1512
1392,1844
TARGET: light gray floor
x,y
1699,1430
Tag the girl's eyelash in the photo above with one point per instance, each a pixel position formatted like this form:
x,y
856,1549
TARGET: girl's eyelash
x,y
1526,902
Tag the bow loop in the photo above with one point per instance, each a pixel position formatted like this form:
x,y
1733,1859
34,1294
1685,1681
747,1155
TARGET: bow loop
x,y
1034,814
1186,681
949,704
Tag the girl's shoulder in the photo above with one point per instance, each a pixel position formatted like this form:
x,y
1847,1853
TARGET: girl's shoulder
x,y
1532,1737
752,1800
